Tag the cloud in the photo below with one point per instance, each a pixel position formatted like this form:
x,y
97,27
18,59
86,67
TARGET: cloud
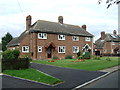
x,y
76,12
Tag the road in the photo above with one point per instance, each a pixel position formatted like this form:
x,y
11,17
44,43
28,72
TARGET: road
x,y
110,81
71,77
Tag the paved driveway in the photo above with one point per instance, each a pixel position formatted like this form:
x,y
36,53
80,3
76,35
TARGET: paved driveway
x,y
72,77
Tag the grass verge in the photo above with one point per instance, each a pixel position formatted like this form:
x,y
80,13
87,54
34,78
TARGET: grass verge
x,y
91,65
34,75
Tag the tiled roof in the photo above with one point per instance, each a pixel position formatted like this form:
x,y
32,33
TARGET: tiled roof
x,y
53,27
16,41
108,38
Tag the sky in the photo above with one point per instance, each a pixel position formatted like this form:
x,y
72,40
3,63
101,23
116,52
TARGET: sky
x,y
76,12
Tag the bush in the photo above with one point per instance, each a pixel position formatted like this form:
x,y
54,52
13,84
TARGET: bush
x,y
11,54
21,63
86,55
78,54
96,57
16,53
108,59
68,57
55,58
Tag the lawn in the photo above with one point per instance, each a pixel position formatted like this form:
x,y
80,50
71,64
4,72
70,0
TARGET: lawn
x,y
91,64
34,75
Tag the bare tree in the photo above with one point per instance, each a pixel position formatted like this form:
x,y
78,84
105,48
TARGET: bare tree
x,y
110,2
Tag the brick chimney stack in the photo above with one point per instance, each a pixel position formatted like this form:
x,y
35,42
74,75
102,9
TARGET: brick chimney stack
x,y
115,32
84,27
102,35
28,22
60,19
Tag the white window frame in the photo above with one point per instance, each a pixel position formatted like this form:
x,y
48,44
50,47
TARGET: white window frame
x,y
105,50
75,47
113,43
87,39
40,48
62,47
27,49
60,35
42,36
75,38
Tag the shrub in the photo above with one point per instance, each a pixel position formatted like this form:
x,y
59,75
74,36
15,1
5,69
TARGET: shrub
x,y
16,53
68,57
108,59
11,54
21,63
55,58
27,56
78,54
8,55
86,55
96,57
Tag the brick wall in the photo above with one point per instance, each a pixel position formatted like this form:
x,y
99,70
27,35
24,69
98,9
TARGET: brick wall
x,y
109,48
33,41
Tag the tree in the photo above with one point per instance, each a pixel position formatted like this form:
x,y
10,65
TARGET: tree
x,y
110,2
5,40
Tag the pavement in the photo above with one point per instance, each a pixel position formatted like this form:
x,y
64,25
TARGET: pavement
x,y
112,69
73,78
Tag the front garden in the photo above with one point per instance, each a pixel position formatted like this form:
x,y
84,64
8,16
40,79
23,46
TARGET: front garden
x,y
93,64
19,67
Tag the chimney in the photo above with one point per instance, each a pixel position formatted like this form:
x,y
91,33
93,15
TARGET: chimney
x,y
28,22
115,32
84,27
60,19
102,35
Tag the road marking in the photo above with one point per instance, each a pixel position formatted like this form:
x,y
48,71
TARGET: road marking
x,y
91,81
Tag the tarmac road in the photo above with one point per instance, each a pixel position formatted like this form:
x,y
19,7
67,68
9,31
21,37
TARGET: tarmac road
x,y
110,81
72,77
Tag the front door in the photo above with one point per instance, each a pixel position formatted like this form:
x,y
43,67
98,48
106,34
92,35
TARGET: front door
x,y
49,52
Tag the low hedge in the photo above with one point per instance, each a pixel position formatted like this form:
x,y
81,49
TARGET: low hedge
x,y
68,57
21,63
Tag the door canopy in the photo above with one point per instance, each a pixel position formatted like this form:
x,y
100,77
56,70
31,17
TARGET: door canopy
x,y
86,47
50,44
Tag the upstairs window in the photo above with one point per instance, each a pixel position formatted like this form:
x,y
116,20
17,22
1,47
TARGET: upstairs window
x,y
87,38
113,43
25,49
75,38
61,37
61,49
39,48
75,49
42,35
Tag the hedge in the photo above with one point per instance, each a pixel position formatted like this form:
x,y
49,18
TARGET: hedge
x,y
21,63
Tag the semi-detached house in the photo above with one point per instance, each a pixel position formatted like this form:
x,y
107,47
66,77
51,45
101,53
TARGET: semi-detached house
x,y
45,39
108,44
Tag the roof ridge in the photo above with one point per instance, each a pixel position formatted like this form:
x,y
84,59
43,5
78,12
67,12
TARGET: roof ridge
x,y
58,23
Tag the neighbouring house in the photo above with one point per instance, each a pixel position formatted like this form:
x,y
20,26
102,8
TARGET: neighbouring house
x,y
45,39
108,44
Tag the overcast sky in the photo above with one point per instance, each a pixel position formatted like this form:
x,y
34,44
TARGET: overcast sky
x,y
77,12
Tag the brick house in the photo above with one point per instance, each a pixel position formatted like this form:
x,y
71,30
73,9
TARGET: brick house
x,y
45,39
108,44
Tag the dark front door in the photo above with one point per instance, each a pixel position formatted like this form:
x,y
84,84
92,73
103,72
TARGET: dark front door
x,y
49,52
97,53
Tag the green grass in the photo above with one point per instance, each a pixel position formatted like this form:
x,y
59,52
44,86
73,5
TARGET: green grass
x,y
34,75
91,65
